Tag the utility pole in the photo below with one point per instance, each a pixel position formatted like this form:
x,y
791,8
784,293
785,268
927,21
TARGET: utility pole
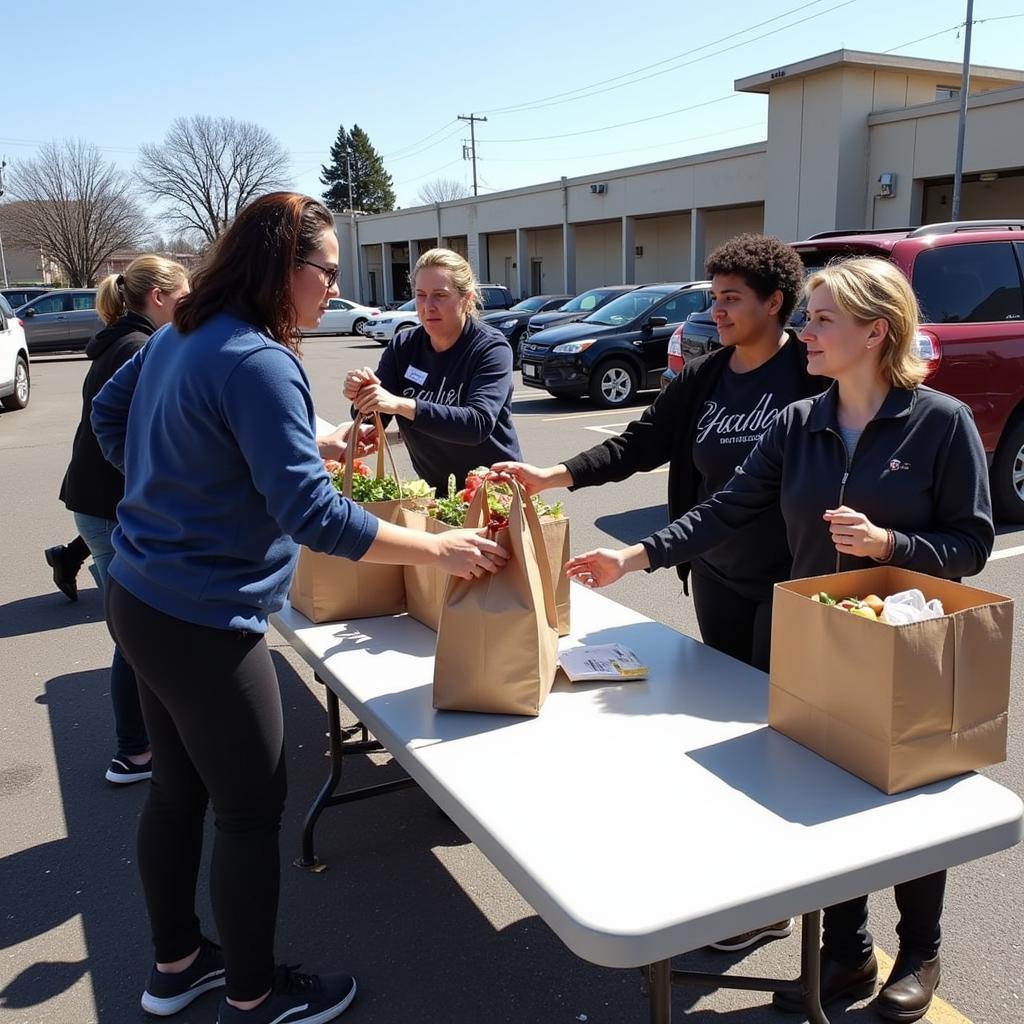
x,y
472,119
965,87
3,261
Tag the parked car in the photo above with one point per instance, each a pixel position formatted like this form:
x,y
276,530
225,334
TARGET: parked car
x,y
968,280
577,308
18,297
512,322
15,375
343,316
386,324
62,320
617,350
495,296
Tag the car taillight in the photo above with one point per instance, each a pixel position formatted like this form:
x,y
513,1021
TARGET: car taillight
x,y
676,362
374,312
21,323
927,347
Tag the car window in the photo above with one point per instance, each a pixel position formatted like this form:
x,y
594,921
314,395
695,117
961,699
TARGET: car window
x,y
530,305
5,307
679,307
625,308
84,300
411,304
49,304
553,304
976,282
493,296
336,304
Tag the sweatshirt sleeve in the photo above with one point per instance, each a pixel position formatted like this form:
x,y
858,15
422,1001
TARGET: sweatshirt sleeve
x,y
109,416
754,489
268,408
473,421
962,540
644,445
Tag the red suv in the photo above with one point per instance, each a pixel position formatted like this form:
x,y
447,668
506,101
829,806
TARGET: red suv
x,y
969,281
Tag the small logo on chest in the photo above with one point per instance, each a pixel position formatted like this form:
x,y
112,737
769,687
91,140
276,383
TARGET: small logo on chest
x,y
895,465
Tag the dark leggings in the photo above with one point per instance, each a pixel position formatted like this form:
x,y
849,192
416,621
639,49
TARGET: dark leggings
x,y
846,936
732,624
212,707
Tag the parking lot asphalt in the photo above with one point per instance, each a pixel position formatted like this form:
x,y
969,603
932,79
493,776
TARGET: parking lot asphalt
x,y
408,904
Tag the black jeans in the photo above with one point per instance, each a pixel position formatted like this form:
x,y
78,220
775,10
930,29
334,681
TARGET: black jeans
x,y
212,707
846,936
731,623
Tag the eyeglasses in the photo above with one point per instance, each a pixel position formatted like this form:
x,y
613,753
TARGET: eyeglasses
x,y
331,274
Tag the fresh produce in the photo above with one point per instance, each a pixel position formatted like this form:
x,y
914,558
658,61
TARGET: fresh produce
x,y
868,608
366,487
452,508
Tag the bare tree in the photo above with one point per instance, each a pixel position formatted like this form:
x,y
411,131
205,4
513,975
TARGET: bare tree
x,y
443,190
74,206
208,168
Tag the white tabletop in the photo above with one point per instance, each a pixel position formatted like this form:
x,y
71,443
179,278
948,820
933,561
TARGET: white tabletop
x,y
645,819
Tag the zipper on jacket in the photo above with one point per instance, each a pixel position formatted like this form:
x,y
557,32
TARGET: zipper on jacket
x,y
842,482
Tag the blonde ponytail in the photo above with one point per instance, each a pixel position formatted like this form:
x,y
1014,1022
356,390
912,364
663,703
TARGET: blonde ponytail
x,y
120,293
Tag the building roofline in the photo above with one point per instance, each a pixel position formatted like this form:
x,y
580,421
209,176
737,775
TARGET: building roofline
x,y
764,80
993,98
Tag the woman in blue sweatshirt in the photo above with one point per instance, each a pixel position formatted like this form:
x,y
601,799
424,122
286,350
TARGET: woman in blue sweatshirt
x,y
878,468
449,381
212,424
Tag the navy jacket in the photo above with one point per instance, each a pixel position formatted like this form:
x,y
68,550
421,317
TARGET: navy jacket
x,y
919,469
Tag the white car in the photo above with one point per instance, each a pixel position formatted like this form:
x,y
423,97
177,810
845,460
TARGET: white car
x,y
15,385
386,325
343,316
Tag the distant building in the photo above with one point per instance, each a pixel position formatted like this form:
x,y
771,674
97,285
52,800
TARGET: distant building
x,y
837,124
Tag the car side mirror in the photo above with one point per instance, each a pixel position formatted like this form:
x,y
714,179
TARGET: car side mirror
x,y
656,321
29,312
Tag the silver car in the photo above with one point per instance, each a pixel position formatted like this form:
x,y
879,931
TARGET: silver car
x,y
62,320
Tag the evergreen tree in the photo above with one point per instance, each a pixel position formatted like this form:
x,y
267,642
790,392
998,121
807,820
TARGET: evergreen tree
x,y
371,183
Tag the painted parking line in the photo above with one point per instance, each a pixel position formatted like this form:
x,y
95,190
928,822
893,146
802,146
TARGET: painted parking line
x,y
1006,553
578,416
940,1012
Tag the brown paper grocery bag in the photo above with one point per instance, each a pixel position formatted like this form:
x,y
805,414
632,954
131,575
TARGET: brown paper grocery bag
x,y
497,641
425,584
898,706
326,588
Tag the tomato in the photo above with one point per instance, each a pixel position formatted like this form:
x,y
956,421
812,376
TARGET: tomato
x,y
360,467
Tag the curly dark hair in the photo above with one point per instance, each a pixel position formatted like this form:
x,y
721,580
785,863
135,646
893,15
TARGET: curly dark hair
x,y
765,264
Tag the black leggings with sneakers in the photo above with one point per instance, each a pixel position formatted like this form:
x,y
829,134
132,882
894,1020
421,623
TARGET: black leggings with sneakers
x,y
212,708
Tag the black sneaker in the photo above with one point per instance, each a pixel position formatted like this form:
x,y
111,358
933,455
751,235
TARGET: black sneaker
x,y
168,993
65,568
778,930
296,999
122,770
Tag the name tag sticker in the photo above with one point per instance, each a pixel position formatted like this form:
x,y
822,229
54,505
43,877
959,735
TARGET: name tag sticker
x,y
416,376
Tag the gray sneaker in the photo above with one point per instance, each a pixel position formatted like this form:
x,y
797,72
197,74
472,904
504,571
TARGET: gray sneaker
x,y
778,930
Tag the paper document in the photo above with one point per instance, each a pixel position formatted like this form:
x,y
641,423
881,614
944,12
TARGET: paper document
x,y
601,661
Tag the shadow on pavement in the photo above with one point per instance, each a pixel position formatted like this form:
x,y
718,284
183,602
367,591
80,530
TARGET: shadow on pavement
x,y
632,526
388,907
51,610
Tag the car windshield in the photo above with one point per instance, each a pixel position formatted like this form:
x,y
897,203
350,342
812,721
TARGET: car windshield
x,y
624,309
530,305
586,301
411,304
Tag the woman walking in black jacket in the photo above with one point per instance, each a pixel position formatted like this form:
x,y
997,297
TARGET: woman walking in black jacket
x,y
877,468
133,305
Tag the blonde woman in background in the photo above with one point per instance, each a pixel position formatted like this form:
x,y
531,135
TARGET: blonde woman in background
x,y
132,305
448,382
877,469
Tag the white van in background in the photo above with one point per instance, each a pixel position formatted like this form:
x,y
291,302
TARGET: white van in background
x,y
15,384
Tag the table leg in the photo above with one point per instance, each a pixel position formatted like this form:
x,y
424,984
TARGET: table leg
x,y
323,798
810,967
659,981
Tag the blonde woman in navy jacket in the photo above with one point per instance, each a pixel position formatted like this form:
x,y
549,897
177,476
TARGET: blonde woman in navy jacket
x,y
879,468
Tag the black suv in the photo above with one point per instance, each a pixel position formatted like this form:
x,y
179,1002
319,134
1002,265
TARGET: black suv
x,y
495,296
512,322
576,309
617,350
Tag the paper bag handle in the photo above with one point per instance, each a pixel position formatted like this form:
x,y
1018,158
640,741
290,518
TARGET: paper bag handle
x,y
382,447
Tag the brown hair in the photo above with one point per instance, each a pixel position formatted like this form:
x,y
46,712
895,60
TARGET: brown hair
x,y
249,268
868,288
119,293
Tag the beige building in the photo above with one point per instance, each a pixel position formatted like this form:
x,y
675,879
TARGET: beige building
x,y
839,126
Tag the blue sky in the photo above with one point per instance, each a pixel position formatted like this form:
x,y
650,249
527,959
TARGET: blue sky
x,y
404,70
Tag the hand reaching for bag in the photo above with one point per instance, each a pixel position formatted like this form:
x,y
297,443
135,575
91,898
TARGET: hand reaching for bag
x,y
533,479
602,566
355,379
468,554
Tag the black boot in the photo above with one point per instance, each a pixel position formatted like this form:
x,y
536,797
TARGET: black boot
x,y
908,992
837,982
65,568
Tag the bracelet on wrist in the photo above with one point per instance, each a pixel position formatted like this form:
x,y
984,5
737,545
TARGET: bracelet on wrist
x,y
890,547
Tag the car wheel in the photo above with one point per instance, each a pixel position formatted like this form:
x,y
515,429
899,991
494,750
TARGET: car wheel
x,y
1007,474
516,341
357,327
22,387
613,383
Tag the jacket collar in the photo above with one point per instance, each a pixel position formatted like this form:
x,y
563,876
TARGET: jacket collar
x,y
897,404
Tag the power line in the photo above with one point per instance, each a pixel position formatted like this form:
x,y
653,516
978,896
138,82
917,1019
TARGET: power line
x,y
413,145
583,91
959,25
427,174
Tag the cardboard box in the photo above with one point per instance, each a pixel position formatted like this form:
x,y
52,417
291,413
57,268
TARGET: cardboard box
x,y
898,706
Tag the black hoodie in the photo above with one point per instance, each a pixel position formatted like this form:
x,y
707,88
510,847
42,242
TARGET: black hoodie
x,y
92,485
